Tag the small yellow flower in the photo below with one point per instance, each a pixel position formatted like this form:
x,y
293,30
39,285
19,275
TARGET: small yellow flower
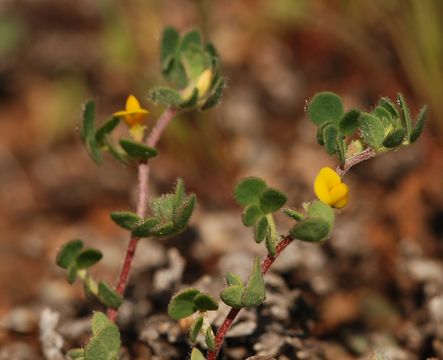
x,y
133,115
329,188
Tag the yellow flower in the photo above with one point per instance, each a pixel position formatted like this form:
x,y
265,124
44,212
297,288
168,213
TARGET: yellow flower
x,y
329,188
133,115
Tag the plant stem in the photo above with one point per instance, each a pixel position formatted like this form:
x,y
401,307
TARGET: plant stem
x,y
364,155
266,264
142,201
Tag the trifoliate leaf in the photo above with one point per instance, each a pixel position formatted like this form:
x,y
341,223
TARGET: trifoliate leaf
x,y
164,207
254,293
248,191
394,138
99,322
125,219
195,328
170,38
144,227
108,296
251,214
311,229
419,124
322,210
165,96
349,122
210,339
182,304
137,150
68,253
372,130
196,354
384,115
192,39
330,137
87,258
233,279
325,106
204,302
105,342
260,230
272,200
387,103
232,296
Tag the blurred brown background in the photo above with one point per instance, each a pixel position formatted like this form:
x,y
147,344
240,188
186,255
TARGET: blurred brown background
x,y
56,54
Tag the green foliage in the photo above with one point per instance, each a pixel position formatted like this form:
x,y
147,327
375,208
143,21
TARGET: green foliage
x,y
105,341
210,339
106,129
165,96
188,301
251,215
248,191
196,354
87,258
394,138
215,94
126,219
68,253
138,151
76,354
325,107
372,130
406,115
261,230
272,200
387,104
238,295
330,138
419,125
349,122
195,328
108,296
293,214
88,133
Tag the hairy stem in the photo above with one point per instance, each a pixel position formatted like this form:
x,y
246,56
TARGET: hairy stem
x,y
142,201
364,155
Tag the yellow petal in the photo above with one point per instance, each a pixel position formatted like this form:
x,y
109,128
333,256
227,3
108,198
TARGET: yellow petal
x,y
135,118
339,196
330,177
204,82
132,104
321,189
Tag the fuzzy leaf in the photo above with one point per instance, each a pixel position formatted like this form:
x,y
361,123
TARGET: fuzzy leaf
x,y
137,150
254,293
67,254
108,296
88,133
419,124
271,241
233,279
184,213
313,229
248,191
293,214
170,38
195,328
232,296
330,137
179,194
164,206
384,115
106,129
325,106
125,219
196,354
192,39
164,229
76,354
261,229
105,342
394,138
251,214
72,273
144,227
99,322
182,304
204,302
117,154
349,122
322,210
406,115
272,200
387,103
216,94
87,258
165,96
372,130
210,339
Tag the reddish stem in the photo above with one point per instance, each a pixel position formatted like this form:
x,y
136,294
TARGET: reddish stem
x,y
224,328
364,155
143,196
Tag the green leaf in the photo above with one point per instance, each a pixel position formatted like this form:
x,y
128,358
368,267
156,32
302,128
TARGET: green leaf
x,y
272,200
137,150
165,96
164,229
164,207
204,302
76,354
330,137
210,339
99,322
293,214
108,296
125,219
320,129
322,210
271,241
232,296
67,254
349,122
144,227
72,273
195,328
170,38
216,94
341,150
384,115
261,229
196,354
248,191
372,130
313,229
87,258
233,279
106,129
387,103
192,39
251,215
182,304
88,133
394,138
325,106
419,124
254,293
105,342
179,194
184,214
405,114
118,154
212,51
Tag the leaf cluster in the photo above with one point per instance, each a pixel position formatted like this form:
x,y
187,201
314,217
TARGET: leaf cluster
x,y
192,69
170,215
